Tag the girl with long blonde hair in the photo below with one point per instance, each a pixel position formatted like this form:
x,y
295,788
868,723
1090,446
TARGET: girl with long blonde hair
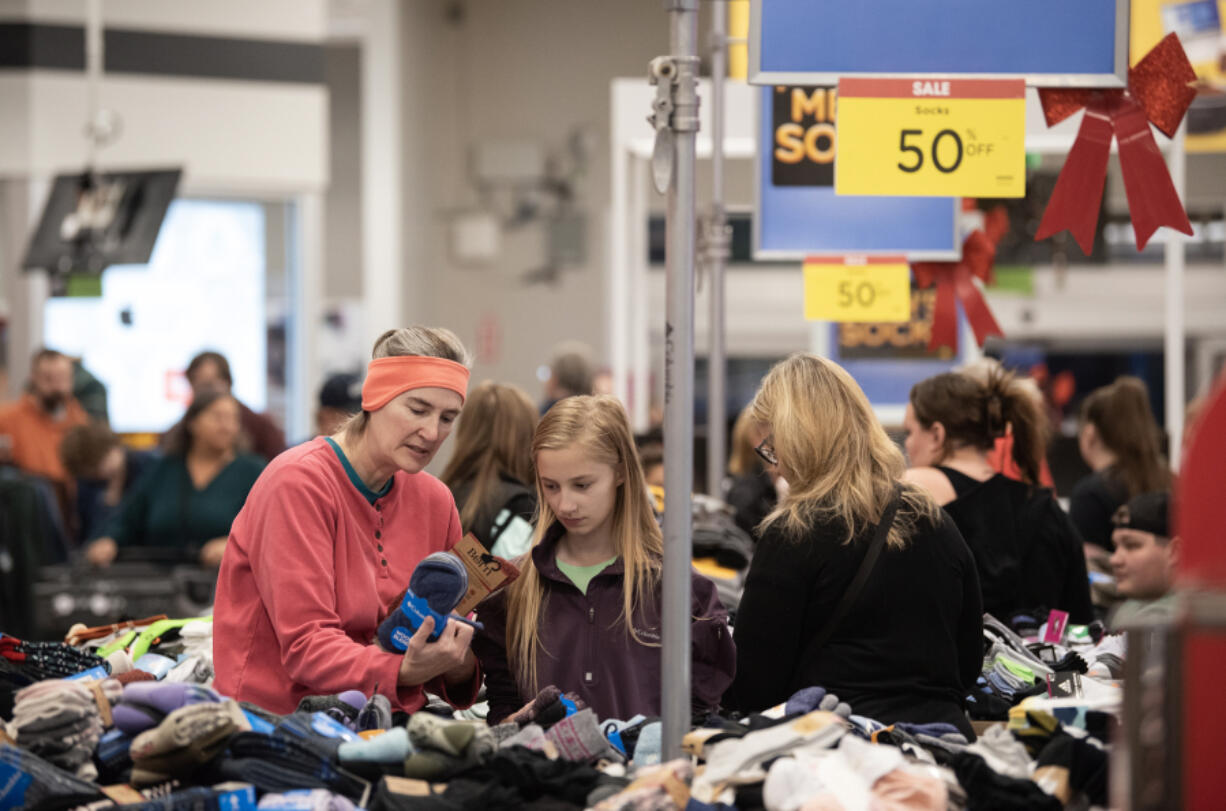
x,y
584,614
859,584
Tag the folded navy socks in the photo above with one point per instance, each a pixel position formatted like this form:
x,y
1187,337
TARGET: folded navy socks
x,y
438,584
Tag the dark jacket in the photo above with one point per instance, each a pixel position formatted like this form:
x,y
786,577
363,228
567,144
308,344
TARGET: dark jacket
x,y
1093,502
753,497
909,648
508,493
1028,552
585,648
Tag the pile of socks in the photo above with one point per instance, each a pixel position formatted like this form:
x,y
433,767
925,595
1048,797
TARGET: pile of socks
x,y
442,748
550,706
24,663
62,721
853,774
47,785
1106,659
1070,763
939,738
305,800
145,704
371,755
809,699
344,708
287,760
183,741
576,738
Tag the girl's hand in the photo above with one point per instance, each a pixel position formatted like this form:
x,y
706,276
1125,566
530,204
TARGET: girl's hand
x,y
448,656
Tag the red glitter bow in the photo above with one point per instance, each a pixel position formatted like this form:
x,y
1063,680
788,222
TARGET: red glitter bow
x,y
955,282
1159,91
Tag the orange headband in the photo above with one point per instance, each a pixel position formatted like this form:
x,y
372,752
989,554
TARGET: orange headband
x,y
387,378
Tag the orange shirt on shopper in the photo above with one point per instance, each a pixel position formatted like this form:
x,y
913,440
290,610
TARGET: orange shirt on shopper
x,y
35,435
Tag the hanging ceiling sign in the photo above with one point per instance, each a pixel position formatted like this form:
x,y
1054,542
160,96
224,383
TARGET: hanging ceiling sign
x,y
1082,43
857,289
799,213
937,137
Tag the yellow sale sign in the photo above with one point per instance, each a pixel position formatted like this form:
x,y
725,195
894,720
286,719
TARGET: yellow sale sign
x,y
857,289
932,137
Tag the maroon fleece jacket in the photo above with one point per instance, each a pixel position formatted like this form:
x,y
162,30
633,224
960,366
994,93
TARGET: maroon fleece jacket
x,y
586,649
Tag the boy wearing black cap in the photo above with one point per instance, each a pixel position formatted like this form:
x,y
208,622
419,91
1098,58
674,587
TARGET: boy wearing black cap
x,y
1144,559
340,398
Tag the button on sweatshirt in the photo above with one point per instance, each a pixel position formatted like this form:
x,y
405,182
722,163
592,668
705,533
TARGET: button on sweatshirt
x,y
308,575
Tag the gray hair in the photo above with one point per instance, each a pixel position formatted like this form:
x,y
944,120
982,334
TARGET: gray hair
x,y
414,341
425,342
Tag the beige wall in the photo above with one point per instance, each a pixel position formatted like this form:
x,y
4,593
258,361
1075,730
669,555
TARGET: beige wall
x,y
530,70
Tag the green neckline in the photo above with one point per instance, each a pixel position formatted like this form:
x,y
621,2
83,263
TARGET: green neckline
x,y
367,493
582,576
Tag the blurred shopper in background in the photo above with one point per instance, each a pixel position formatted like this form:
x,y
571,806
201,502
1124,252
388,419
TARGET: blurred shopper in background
x,y
594,574
340,397
1121,442
104,471
32,428
490,471
905,642
570,373
1000,457
185,503
1027,550
211,371
750,488
1144,559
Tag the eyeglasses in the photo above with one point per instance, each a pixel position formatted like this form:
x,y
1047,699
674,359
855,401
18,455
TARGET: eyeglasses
x,y
766,450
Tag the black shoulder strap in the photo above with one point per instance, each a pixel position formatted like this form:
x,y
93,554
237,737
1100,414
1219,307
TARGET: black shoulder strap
x,y
866,568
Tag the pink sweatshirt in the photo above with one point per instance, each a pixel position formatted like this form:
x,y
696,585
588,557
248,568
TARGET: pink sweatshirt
x,y
308,574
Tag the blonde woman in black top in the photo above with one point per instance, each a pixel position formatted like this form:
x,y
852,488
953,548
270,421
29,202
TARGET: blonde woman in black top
x,y
909,645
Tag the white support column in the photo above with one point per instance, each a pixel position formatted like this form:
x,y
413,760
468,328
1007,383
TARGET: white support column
x,y
306,303
385,222
640,320
21,202
1174,339
619,283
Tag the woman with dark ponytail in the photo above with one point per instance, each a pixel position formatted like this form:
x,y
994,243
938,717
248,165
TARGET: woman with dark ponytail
x,y
1028,552
1120,441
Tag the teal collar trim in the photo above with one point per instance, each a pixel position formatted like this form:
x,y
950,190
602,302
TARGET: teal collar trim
x,y
367,493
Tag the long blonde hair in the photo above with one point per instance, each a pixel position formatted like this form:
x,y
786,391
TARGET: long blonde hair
x,y
493,438
837,459
598,425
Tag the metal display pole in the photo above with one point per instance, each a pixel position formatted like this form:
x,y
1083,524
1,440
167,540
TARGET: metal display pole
x,y
716,240
675,118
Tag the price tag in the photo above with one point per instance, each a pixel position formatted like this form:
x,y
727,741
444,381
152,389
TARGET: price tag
x,y
873,288
932,137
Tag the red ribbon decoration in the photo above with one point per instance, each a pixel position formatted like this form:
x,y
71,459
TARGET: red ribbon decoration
x,y
1159,90
955,282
